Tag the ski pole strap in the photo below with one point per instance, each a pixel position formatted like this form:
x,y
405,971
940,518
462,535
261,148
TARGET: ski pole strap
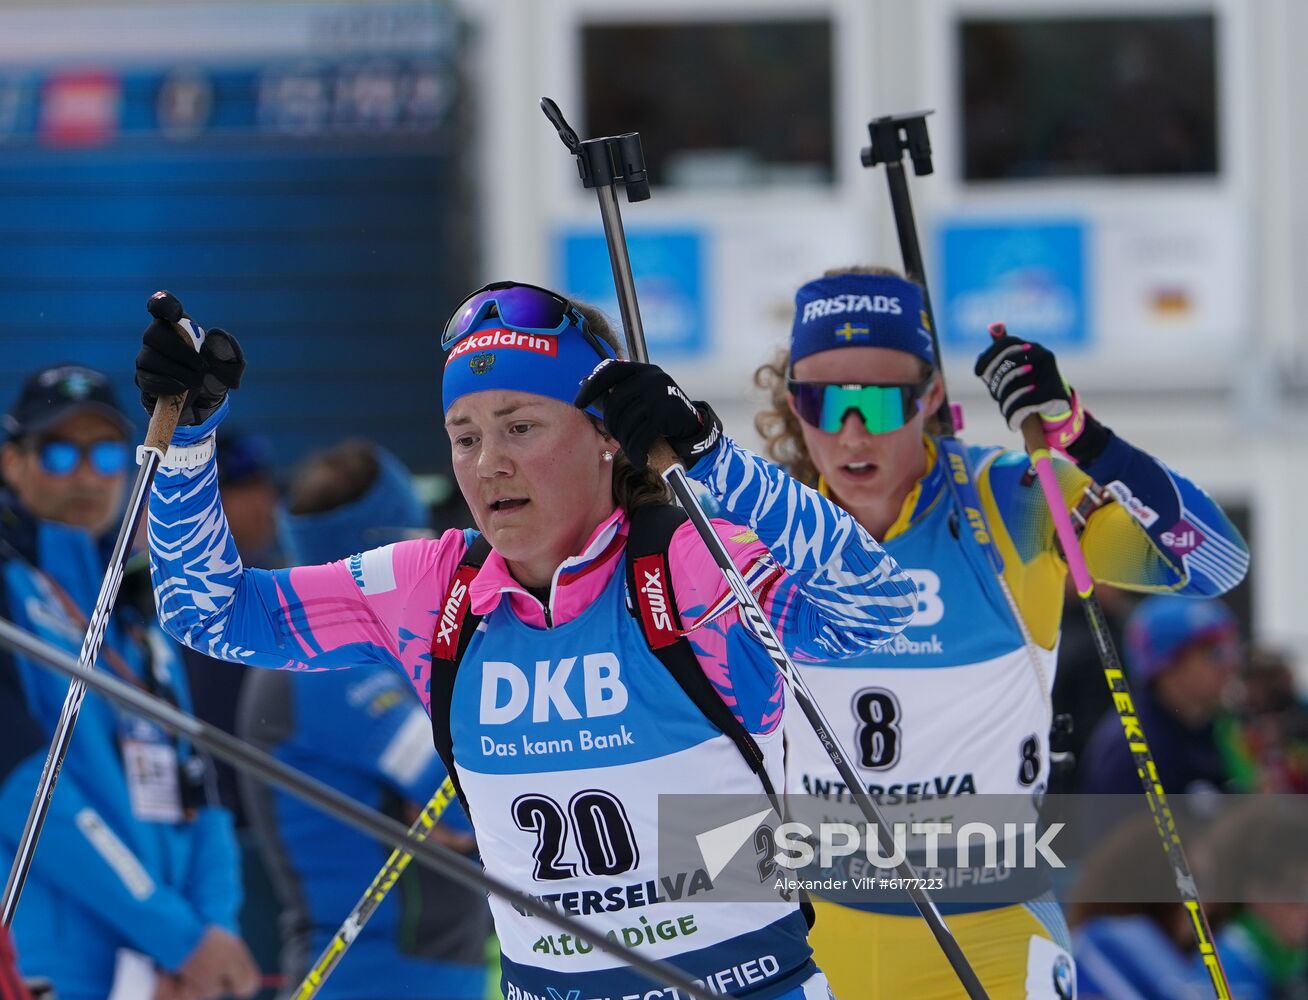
x,y
1093,497
655,607
454,630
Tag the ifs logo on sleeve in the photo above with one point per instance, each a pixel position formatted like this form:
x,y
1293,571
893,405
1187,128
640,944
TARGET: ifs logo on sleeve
x,y
1029,273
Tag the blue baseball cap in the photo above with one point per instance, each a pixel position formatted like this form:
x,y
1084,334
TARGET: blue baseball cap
x,y
242,457
861,310
1161,627
52,393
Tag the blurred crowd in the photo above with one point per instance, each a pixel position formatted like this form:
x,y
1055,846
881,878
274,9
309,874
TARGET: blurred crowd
x,y
160,873
163,875
1221,717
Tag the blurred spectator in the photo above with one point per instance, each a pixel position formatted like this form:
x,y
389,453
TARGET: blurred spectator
x,y
1130,934
1256,857
1269,744
249,492
1182,654
136,867
428,938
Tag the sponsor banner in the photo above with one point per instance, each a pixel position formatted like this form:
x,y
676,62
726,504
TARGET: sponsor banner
x,y
1174,283
668,265
79,109
242,29
1030,274
405,96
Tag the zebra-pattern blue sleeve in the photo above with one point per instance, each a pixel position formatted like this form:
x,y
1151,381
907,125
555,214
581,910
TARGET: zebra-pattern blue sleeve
x,y
854,590
193,560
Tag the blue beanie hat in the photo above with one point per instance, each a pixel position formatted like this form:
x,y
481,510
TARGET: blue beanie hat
x,y
497,357
388,512
243,456
861,310
1161,626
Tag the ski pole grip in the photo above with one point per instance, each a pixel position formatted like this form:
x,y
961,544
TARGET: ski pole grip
x,y
168,409
662,457
1033,434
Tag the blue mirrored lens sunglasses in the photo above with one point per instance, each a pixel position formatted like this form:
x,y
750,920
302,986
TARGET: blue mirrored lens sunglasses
x,y
61,458
882,407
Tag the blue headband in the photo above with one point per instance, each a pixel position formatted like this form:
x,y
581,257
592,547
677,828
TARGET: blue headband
x,y
388,512
860,310
497,357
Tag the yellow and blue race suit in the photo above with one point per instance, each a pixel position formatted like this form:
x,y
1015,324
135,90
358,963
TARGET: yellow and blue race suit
x,y
958,706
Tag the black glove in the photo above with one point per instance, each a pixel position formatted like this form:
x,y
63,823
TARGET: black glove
x,y
1023,378
168,366
641,404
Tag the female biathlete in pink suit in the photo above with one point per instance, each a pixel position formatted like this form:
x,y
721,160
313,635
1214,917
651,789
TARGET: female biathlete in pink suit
x,y
563,725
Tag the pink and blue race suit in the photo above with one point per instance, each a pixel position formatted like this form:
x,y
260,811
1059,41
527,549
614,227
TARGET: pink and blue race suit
x,y
565,726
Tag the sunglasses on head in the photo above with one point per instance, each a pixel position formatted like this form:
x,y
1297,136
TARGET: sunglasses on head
x,y
61,458
524,308
882,408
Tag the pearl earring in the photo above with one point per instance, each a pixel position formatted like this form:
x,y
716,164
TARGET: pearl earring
x,y
608,456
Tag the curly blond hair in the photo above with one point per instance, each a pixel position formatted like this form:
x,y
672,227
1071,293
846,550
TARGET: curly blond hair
x,y
777,424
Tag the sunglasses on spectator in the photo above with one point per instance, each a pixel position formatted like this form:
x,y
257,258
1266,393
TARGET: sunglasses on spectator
x,y
524,308
882,407
61,458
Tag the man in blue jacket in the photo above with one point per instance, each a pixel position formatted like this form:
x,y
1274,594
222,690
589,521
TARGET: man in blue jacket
x,y
1183,654
364,732
135,878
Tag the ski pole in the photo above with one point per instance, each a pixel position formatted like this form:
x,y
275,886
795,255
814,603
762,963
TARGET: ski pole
x,y
157,436
604,163
891,136
373,896
1033,436
268,769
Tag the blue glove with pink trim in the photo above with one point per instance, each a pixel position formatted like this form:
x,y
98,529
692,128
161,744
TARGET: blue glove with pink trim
x,y
1023,378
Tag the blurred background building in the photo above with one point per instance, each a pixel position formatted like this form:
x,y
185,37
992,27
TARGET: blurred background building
x,y
1116,180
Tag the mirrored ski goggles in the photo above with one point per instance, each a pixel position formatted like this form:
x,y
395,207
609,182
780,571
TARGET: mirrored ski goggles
x,y
61,458
882,408
524,308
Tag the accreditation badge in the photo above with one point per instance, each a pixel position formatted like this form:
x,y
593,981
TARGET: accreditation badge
x,y
150,763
